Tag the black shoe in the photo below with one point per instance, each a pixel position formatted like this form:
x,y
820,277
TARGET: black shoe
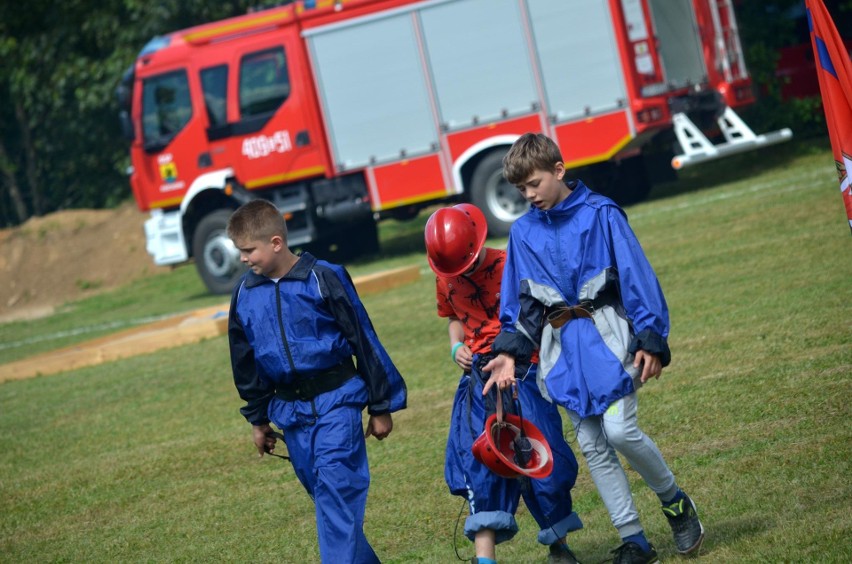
x,y
687,529
561,554
632,553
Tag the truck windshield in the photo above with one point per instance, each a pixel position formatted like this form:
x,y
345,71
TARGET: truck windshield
x,y
166,108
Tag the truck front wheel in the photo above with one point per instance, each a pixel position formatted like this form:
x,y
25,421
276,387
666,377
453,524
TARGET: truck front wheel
x,y
500,201
216,258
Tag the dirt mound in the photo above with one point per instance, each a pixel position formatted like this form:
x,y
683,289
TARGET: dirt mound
x,y
69,255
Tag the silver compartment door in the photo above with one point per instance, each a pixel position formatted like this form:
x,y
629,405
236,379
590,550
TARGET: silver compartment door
x,y
372,90
679,43
479,61
578,56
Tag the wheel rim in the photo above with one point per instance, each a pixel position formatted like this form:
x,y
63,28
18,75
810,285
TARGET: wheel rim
x,y
221,258
504,201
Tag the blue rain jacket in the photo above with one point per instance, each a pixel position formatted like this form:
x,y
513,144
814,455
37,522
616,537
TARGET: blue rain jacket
x,y
309,321
582,250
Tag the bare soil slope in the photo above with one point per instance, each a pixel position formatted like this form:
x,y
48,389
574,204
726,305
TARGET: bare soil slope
x,y
69,255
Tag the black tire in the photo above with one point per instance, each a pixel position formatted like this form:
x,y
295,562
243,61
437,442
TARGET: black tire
x,y
355,241
500,201
352,242
633,185
363,238
216,259
626,182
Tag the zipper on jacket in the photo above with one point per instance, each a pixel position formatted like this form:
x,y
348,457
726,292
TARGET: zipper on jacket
x,y
281,328
559,263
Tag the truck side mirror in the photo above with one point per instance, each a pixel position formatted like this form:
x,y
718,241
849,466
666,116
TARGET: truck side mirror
x,y
126,125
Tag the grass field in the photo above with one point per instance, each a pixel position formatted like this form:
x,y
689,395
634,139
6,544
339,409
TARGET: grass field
x,y
148,460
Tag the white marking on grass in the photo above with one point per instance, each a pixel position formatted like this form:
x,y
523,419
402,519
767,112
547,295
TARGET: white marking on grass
x,y
790,185
84,330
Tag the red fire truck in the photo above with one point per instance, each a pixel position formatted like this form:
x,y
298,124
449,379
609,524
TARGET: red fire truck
x,y
344,112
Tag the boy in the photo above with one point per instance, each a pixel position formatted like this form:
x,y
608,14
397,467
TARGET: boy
x,y
468,295
577,281
295,323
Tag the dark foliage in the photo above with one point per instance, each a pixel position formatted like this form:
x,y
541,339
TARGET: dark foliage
x,y
60,143
769,29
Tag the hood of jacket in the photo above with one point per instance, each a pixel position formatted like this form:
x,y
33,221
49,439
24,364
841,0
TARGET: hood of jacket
x,y
580,197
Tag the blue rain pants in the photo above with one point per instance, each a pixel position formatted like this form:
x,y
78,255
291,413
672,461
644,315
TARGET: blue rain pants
x,y
493,499
326,445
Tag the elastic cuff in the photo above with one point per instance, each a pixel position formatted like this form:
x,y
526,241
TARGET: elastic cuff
x,y
514,344
630,528
653,343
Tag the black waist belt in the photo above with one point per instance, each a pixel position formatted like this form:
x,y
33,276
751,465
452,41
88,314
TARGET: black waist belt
x,y
306,389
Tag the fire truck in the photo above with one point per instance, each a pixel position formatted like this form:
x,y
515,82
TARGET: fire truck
x,y
345,112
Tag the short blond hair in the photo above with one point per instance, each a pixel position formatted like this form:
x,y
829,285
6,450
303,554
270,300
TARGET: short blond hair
x,y
531,152
258,220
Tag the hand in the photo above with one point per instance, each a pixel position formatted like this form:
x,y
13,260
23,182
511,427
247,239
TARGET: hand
x,y
650,363
380,426
464,357
263,438
502,369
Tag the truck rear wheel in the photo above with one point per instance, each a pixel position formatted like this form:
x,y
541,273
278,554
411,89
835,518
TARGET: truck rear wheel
x,y
216,258
500,201
633,184
352,242
626,182
359,240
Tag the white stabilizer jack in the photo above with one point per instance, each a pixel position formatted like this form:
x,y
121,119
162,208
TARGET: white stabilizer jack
x,y
739,138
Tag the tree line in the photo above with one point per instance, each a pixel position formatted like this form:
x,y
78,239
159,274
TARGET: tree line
x,y
60,62
60,141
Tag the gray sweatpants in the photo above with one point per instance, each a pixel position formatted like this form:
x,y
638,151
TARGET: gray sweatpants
x,y
617,430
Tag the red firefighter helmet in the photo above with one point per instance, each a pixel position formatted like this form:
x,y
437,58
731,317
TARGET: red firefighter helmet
x,y
454,238
498,445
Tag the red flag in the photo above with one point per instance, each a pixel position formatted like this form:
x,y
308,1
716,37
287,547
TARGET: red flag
x,y
834,69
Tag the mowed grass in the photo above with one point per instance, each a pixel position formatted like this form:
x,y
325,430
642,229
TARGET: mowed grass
x,y
147,459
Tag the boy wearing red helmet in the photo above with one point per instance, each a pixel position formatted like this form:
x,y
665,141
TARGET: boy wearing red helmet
x,y
468,295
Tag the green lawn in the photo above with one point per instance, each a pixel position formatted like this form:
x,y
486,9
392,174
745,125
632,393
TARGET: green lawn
x,y
147,459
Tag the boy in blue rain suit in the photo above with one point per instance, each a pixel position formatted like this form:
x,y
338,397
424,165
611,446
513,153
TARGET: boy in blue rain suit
x,y
295,323
577,282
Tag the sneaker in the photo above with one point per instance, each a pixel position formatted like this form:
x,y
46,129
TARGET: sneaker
x,y
632,553
687,529
561,554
